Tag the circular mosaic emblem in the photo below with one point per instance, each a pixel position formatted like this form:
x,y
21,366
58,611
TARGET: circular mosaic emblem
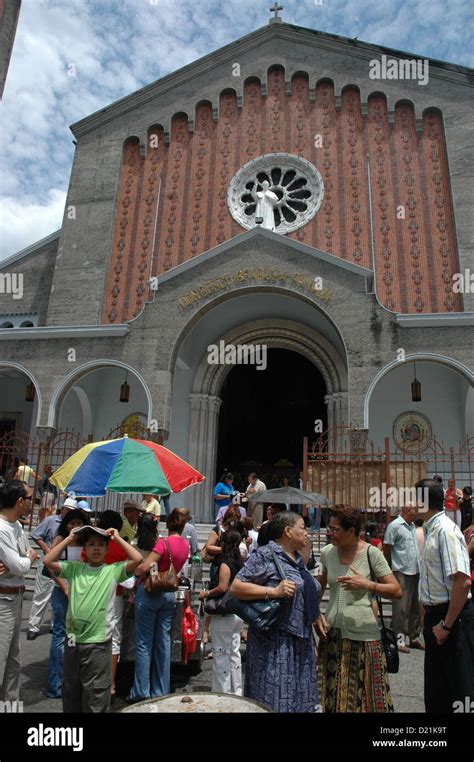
x,y
134,423
412,432
295,182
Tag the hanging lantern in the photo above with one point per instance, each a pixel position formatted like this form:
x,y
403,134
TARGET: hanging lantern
x,y
30,392
415,389
125,391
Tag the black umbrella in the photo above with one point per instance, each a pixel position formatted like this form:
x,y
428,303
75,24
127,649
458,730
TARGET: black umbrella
x,y
290,495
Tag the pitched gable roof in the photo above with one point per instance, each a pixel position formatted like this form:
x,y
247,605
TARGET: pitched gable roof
x,y
275,32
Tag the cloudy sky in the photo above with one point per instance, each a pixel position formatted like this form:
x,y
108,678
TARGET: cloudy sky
x,y
116,46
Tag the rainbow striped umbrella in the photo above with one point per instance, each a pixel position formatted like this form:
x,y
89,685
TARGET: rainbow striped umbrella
x,y
124,465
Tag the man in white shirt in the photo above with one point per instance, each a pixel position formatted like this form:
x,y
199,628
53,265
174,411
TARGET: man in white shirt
x,y
151,505
189,531
44,535
445,592
400,547
25,473
255,511
16,558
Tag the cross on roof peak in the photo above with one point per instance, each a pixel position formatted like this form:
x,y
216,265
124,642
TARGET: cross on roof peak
x,y
277,7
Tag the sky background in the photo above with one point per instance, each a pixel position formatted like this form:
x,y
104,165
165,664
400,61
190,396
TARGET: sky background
x,y
118,46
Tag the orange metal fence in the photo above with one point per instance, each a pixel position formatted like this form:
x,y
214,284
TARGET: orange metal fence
x,y
346,467
38,453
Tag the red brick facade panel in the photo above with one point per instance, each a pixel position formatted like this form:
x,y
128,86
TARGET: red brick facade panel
x,y
172,203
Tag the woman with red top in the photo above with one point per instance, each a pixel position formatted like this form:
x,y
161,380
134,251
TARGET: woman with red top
x,y
154,616
371,535
451,500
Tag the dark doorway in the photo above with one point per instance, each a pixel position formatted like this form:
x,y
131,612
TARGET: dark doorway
x,y
265,415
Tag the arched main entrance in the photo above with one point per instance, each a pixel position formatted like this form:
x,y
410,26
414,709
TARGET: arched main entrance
x,y
266,413
199,387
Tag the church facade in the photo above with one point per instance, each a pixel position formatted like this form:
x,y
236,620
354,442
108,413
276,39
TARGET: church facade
x,y
294,192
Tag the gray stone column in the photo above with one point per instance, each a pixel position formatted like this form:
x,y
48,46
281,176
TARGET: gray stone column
x,y
330,400
160,384
45,433
342,420
337,403
344,399
202,453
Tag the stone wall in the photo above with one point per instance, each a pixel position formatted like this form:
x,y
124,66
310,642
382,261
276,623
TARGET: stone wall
x,y
37,271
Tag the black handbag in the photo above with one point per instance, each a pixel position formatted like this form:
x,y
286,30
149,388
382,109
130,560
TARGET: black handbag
x,y
217,605
389,639
312,561
263,615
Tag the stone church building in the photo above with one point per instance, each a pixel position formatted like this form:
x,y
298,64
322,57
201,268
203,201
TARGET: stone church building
x,y
277,195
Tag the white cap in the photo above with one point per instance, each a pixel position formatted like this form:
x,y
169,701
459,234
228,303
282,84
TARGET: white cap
x,y
70,503
83,505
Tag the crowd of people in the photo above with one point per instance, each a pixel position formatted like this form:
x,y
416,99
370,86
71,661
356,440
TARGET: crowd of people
x,y
307,660
83,573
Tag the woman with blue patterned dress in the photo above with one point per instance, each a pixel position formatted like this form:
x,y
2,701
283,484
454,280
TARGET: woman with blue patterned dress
x,y
281,665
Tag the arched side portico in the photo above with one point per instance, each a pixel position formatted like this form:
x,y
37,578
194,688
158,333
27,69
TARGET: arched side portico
x,y
17,369
72,378
447,388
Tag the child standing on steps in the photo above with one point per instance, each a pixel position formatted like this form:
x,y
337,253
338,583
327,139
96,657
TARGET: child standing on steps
x,y
87,674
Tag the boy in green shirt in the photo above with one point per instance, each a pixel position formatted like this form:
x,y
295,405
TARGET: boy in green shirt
x,y
87,673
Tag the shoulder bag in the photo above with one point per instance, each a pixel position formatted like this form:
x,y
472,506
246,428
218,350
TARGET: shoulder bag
x,y
312,561
218,604
164,581
389,639
262,615
206,557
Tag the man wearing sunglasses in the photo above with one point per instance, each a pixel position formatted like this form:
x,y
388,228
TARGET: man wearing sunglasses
x,y
16,558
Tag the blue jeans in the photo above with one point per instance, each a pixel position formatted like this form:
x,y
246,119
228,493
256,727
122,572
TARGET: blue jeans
x,y
59,603
153,620
314,517
166,503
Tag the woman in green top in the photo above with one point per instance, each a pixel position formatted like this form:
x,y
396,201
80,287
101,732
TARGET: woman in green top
x,y
352,667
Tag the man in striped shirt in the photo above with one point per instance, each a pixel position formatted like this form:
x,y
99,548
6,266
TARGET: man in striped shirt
x,y
445,584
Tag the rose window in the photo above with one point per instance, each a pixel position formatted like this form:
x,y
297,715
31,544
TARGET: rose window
x,y
295,181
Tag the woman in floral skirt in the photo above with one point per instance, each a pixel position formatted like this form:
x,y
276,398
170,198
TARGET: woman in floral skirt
x,y
352,665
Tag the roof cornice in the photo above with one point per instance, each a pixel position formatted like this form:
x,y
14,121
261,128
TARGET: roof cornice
x,y
435,319
207,63
64,332
281,240
30,249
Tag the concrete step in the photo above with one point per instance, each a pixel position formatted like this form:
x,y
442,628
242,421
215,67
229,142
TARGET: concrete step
x,y
203,530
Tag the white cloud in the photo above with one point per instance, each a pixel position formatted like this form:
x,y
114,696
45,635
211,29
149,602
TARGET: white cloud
x,y
26,223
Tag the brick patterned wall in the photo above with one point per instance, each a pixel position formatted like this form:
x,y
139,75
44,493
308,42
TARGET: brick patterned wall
x,y
172,204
